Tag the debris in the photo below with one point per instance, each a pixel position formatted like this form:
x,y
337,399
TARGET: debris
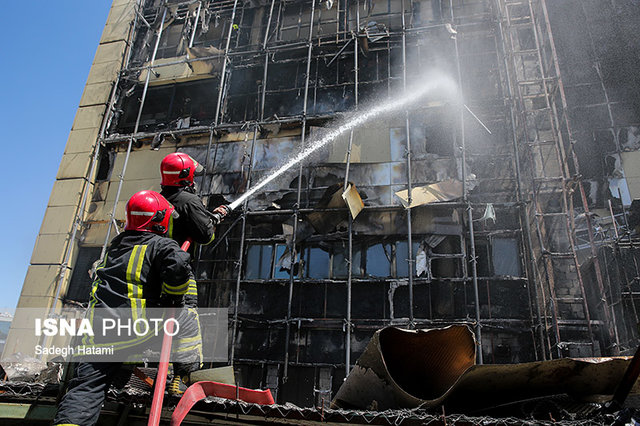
x,y
434,367
221,375
406,368
353,200
450,28
442,191
489,214
324,222
422,264
423,256
20,367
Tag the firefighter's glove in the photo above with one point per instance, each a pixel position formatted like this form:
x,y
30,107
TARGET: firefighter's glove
x,y
219,213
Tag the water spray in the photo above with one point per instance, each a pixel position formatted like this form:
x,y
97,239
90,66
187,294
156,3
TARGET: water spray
x,y
359,118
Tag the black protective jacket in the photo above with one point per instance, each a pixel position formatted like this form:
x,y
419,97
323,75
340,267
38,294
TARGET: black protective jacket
x,y
194,221
138,267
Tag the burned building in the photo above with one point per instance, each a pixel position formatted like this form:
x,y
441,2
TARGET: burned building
x,y
504,209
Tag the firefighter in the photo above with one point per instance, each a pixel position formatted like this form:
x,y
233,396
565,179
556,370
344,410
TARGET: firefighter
x,y
195,222
141,269
177,171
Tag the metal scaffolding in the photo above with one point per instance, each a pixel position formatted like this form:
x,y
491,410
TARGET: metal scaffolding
x,y
293,66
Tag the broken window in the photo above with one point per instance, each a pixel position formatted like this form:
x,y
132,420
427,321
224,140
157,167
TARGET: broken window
x,y
242,34
295,19
402,265
213,29
259,258
284,94
283,265
268,153
325,21
384,14
171,42
169,107
155,111
378,262
194,100
482,256
373,72
243,98
231,164
425,11
105,164
434,137
498,257
334,84
339,263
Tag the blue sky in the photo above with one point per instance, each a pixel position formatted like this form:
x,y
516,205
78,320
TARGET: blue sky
x,y
47,49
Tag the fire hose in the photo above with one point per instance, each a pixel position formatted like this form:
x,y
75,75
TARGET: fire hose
x,y
163,366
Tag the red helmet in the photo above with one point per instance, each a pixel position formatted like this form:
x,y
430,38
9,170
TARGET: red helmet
x,y
178,169
148,211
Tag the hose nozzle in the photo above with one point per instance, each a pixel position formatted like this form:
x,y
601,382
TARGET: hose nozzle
x,y
219,213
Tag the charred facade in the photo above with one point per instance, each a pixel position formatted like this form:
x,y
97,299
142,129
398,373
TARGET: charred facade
x,y
533,251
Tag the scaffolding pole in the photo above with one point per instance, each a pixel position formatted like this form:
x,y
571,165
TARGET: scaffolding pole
x,y
234,333
463,151
409,179
225,60
298,196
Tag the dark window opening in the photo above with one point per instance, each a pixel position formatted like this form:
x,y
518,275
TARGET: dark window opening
x,y
506,257
402,253
171,42
258,263
80,283
177,106
243,99
105,164
295,19
284,93
316,263
243,32
498,257
434,137
340,264
214,32
378,262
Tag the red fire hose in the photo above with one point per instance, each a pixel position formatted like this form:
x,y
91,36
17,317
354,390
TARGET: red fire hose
x,y
163,367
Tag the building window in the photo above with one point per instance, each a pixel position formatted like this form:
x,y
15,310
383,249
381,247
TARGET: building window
x,y
379,260
170,42
259,258
283,267
402,266
505,257
316,263
498,257
340,261
378,263
428,139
